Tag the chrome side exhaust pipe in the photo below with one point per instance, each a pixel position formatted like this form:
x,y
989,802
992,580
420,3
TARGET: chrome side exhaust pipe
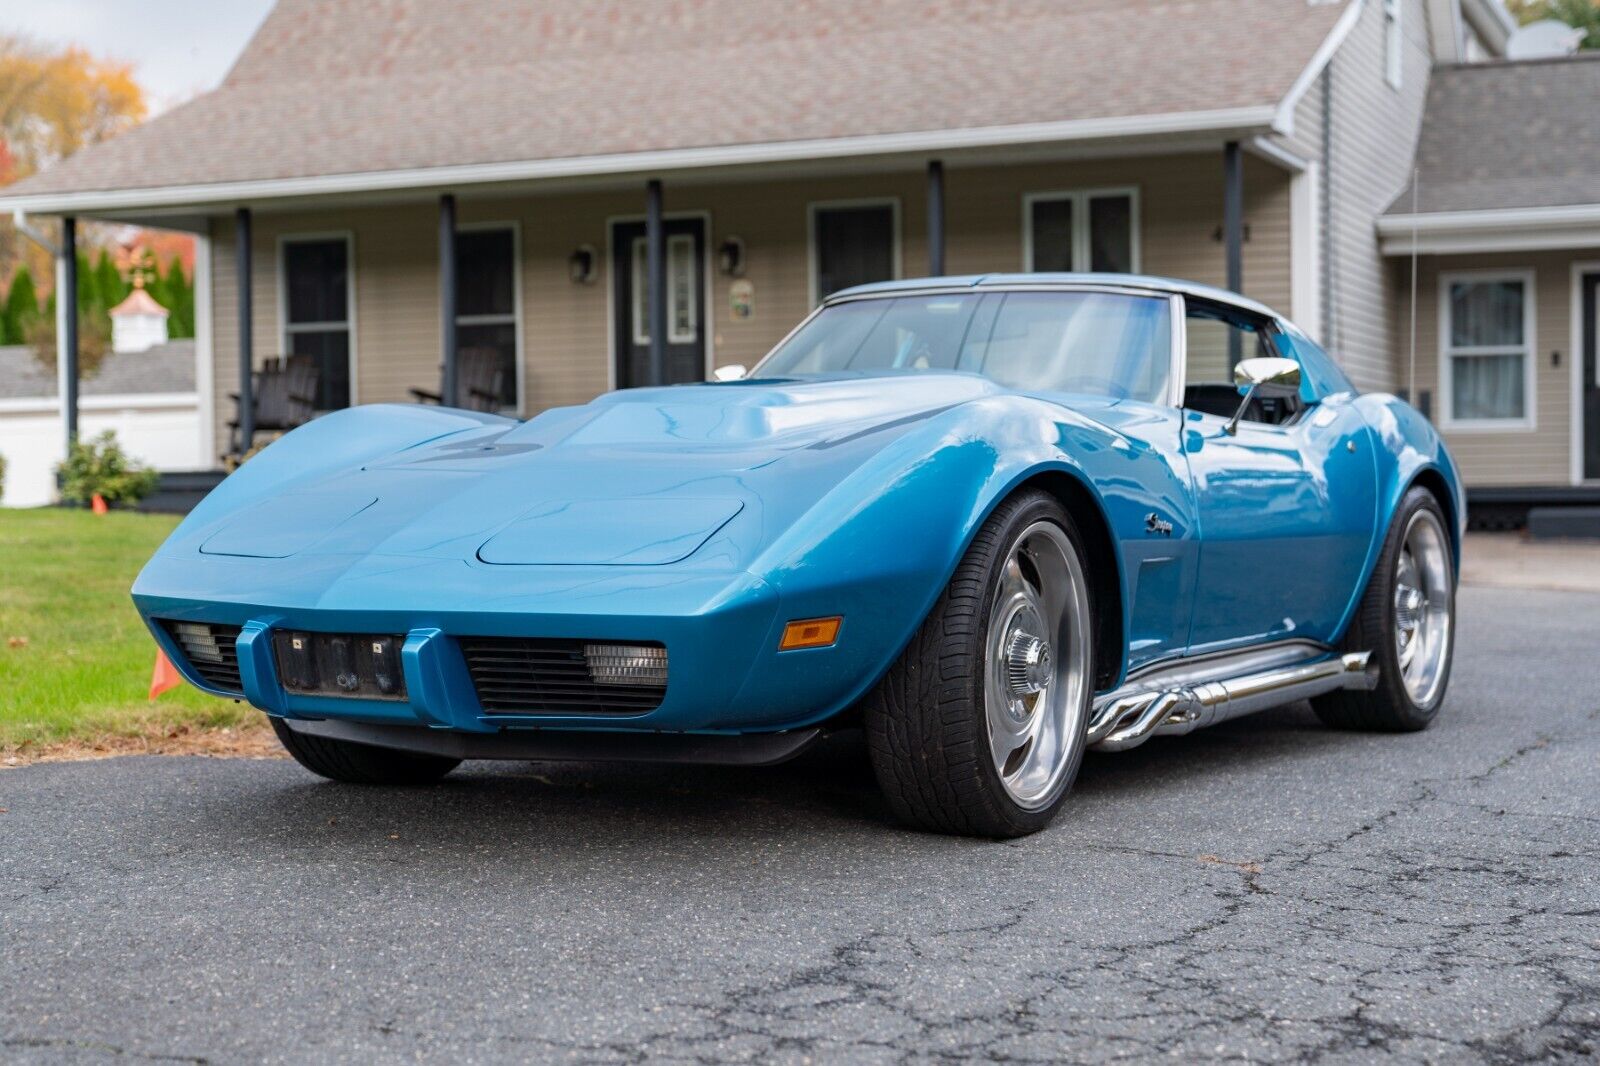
x,y
1127,720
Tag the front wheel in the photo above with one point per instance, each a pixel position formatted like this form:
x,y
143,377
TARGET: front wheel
x,y
979,727
1406,618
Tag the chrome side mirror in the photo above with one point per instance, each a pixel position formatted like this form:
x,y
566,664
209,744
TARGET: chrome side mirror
x,y
731,372
1263,377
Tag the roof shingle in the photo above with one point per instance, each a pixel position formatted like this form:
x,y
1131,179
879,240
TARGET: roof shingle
x,y
1509,135
373,85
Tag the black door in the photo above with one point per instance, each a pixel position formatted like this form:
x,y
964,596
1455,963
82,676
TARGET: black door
x,y
854,246
686,310
1591,388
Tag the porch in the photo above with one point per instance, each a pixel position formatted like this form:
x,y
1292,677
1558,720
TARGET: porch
x,y
565,285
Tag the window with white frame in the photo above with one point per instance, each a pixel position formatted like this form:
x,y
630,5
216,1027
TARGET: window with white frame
x,y
486,299
1090,230
315,279
1487,351
1393,41
683,291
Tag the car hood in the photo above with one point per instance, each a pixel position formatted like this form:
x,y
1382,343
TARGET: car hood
x,y
642,477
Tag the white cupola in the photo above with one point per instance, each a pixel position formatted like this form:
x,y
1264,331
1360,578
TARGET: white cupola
x,y
138,323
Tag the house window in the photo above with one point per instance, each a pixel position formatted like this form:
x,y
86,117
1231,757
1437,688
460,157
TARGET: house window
x,y
1094,230
1487,354
486,299
315,282
853,244
683,291
1393,51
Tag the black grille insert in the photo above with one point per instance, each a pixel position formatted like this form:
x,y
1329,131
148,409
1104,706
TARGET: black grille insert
x,y
517,675
352,665
210,651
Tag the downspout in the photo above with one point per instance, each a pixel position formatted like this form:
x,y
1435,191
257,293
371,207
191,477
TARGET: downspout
x,y
1330,330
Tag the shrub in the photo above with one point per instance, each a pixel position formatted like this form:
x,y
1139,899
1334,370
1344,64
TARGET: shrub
x,y
2,477
101,466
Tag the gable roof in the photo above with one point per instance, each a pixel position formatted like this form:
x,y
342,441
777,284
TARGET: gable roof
x,y
1509,135
360,87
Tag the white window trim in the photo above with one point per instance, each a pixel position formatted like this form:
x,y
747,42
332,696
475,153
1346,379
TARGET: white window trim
x,y
1081,244
1393,43
896,262
349,323
1529,421
515,317
1575,361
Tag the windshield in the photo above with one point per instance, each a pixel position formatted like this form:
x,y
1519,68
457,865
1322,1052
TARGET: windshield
x,y
1107,344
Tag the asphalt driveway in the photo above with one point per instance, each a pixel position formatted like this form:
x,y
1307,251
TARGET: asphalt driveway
x,y
1268,889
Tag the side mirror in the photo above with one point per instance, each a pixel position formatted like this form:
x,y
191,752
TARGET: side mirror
x,y
731,372
1278,378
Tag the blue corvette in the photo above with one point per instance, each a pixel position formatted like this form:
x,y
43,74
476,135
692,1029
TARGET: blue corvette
x,y
994,521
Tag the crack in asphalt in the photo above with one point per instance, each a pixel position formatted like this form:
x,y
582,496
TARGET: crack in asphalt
x,y
1268,891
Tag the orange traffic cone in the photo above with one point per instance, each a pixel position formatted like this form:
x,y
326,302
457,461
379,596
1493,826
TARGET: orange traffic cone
x,y
97,504
164,676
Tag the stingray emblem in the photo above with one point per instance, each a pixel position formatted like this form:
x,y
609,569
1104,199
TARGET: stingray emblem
x,y
1156,526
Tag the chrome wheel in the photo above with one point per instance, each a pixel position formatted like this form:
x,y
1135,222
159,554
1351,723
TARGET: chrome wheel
x,y
1037,675
1422,607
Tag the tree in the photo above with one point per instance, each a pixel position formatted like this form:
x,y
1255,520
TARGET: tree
x,y
21,307
1579,14
53,102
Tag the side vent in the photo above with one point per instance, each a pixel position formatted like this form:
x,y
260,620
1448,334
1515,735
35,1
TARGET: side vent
x,y
211,652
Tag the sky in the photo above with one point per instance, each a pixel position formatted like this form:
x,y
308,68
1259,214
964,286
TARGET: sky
x,y
178,47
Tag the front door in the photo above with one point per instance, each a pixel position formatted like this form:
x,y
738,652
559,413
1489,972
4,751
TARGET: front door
x,y
686,308
1285,505
1591,387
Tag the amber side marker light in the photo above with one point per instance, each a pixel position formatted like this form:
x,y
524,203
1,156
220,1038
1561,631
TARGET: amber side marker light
x,y
810,633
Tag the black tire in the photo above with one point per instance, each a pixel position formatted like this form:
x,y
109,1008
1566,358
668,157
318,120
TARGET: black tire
x,y
925,721
361,764
1389,707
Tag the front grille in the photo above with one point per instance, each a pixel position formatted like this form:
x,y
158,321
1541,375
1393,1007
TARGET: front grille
x,y
210,651
515,675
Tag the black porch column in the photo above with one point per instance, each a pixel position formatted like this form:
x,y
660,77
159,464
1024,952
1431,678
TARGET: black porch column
x,y
447,298
1233,230
247,400
68,300
656,282
935,218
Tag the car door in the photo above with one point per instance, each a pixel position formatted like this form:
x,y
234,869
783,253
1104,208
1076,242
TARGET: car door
x,y
1285,506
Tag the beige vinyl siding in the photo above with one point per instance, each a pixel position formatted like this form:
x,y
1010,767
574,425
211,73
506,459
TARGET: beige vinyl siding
x,y
1538,456
566,327
1374,138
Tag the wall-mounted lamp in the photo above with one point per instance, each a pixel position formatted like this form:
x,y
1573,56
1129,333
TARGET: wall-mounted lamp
x,y
583,265
730,257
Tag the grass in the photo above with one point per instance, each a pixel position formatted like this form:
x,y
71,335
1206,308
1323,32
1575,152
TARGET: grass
x,y
75,659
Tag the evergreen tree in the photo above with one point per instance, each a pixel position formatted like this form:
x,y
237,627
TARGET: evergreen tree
x,y
21,306
180,293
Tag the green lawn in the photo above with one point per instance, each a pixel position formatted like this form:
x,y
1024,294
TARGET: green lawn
x,y
74,658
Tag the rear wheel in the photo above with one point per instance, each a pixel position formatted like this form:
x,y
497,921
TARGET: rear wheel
x,y
361,764
1407,620
979,727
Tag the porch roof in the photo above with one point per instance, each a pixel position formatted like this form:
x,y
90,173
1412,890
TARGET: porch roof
x,y
413,94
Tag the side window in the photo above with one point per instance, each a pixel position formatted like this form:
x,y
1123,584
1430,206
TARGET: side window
x,y
1217,338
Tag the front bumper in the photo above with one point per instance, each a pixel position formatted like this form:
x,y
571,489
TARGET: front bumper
x,y
720,630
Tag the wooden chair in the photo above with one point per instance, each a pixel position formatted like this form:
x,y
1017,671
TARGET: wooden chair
x,y
285,394
479,379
